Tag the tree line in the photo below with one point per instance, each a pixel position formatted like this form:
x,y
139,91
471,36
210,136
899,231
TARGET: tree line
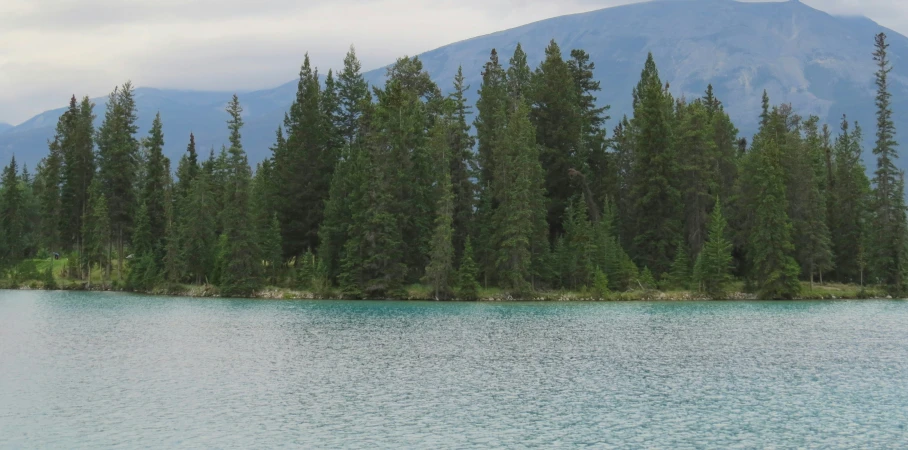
x,y
369,189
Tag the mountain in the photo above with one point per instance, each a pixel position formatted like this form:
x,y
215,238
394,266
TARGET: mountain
x,y
818,62
4,127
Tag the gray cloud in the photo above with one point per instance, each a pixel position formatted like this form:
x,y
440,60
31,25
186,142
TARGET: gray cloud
x,y
54,48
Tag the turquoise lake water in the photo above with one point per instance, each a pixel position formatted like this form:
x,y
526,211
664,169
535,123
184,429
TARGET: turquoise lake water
x,y
93,370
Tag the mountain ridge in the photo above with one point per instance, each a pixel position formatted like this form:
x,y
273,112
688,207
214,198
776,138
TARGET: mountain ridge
x,y
818,62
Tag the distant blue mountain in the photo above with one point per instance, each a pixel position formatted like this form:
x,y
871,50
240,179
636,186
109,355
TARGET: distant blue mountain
x,y
819,63
5,127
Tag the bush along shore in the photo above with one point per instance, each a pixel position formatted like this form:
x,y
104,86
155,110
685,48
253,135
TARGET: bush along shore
x,y
386,192
51,279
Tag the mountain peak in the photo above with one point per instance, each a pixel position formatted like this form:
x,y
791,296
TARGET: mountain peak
x,y
819,63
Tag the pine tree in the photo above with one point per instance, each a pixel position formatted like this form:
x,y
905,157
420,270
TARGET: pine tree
x,y
241,263
11,216
157,180
811,237
47,187
77,149
656,197
187,169
592,136
439,272
490,123
96,233
352,92
463,163
467,274
698,155
405,111
679,275
850,197
714,262
559,125
889,226
304,169
198,229
579,266
143,272
271,245
118,152
515,187
771,249
174,265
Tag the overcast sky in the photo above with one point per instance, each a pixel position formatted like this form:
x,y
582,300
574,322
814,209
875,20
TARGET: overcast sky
x,y
50,49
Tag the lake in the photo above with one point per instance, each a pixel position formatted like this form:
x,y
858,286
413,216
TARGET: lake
x,y
90,370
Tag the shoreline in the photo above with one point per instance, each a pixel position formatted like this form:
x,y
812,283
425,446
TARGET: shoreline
x,y
418,293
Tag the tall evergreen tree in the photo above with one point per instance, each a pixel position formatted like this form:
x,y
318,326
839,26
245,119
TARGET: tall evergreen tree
x,y
157,180
198,229
304,168
517,182
47,190
889,222
592,136
12,224
440,271
462,163
118,152
771,250
77,147
656,197
559,125
849,196
240,264
490,123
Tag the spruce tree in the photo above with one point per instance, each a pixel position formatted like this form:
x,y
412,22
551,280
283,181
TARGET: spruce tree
x,y
714,262
95,231
77,149
490,123
656,207
143,271
467,274
241,265
118,152
352,91
579,264
516,182
439,272
463,163
174,263
12,216
198,229
304,169
592,136
680,273
187,169
850,197
557,118
47,190
699,162
770,245
889,226
157,180
812,238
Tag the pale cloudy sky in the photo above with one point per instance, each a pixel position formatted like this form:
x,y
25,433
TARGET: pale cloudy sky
x,y
50,49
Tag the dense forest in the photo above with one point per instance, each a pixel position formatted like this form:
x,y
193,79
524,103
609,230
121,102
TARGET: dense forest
x,y
373,188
